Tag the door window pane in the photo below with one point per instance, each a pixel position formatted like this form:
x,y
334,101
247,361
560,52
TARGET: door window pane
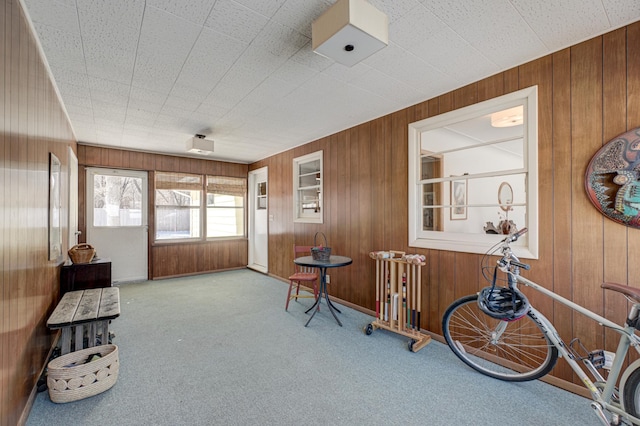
x,y
117,201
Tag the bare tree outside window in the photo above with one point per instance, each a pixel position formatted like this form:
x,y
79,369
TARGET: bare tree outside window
x,y
117,201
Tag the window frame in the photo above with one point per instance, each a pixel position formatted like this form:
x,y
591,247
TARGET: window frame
x,y
186,187
242,208
526,247
91,217
203,210
300,216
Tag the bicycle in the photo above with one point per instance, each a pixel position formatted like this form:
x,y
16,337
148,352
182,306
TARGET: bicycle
x,y
508,339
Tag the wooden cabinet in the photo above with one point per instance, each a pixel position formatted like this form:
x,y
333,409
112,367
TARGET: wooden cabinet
x,y
81,276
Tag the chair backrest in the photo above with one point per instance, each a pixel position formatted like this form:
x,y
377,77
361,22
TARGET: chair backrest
x,y
301,251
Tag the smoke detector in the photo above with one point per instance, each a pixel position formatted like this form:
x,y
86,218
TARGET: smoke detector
x,y
200,145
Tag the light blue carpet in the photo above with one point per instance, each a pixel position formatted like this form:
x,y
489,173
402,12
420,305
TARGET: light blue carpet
x,y
219,349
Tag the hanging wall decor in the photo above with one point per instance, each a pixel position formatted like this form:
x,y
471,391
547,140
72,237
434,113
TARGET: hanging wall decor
x,y
612,179
55,230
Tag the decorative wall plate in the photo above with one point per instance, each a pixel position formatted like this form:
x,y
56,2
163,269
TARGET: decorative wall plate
x,y
612,179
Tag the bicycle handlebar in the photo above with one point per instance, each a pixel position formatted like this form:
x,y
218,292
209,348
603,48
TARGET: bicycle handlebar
x,y
509,258
514,237
521,265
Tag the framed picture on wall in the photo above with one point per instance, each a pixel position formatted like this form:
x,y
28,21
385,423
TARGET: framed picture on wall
x,y
55,230
458,200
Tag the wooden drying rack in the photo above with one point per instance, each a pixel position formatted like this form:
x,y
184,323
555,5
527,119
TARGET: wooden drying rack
x,y
398,282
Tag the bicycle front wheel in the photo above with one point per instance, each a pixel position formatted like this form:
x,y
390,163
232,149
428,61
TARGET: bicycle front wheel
x,y
514,351
631,394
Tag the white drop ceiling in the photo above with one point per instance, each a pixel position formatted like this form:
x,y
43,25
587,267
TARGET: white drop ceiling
x,y
149,75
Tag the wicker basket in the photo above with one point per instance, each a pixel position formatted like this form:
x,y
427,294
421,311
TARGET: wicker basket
x,y
81,253
70,377
320,252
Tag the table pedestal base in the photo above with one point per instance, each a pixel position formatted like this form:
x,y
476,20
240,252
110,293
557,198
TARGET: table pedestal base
x,y
323,291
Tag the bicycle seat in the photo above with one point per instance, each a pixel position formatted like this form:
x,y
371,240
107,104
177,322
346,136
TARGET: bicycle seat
x,y
631,292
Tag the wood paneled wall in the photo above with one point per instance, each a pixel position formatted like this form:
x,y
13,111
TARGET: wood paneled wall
x,y
588,94
175,259
33,124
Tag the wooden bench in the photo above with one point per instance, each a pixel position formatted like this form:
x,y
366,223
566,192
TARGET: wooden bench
x,y
89,310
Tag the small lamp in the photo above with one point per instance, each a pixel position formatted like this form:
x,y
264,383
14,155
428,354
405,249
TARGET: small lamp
x,y
350,31
200,145
508,117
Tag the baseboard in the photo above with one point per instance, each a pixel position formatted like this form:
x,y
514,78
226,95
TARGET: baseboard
x,y
552,380
260,269
190,274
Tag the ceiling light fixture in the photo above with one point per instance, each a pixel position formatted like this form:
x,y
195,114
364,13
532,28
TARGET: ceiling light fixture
x,y
508,117
350,31
199,145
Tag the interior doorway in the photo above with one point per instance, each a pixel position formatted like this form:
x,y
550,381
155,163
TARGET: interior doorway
x,y
258,220
73,199
116,219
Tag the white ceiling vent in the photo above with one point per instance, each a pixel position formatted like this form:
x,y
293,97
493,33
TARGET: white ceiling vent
x,y
199,145
350,31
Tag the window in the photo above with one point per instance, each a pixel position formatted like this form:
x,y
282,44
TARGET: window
x,y
181,213
261,196
225,206
307,188
473,176
178,203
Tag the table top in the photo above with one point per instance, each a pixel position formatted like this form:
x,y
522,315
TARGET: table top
x,y
82,306
333,262
95,260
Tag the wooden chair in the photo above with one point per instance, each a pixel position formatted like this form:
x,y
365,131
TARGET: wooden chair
x,y
302,274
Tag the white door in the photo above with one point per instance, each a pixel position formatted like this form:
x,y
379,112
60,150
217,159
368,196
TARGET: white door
x,y
117,220
258,221
73,199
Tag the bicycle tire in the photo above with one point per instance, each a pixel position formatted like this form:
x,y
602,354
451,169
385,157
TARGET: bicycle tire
x,y
631,393
522,353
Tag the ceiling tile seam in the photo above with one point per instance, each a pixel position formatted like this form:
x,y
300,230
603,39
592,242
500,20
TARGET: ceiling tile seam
x,y
461,38
178,76
47,65
183,63
230,36
408,52
202,27
213,5
135,62
269,18
531,28
86,70
606,13
464,40
269,21
262,81
213,89
258,85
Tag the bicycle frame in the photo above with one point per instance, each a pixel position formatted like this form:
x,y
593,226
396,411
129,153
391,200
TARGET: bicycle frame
x,y
603,398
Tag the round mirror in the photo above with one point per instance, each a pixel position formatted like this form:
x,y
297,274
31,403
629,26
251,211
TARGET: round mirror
x,y
505,196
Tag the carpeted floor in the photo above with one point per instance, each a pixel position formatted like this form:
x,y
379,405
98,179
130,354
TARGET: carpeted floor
x,y
219,349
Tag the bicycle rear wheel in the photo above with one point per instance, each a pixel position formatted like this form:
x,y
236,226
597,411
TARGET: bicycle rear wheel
x,y
519,352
